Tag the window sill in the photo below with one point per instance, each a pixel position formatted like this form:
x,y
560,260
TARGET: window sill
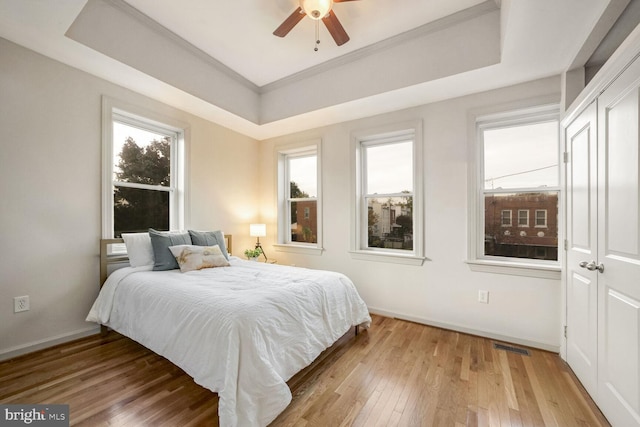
x,y
388,257
516,268
299,249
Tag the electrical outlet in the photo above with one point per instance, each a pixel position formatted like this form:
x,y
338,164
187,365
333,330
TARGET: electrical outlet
x,y
483,296
21,304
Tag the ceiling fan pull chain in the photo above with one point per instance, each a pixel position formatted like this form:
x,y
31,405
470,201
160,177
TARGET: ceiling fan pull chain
x,y
317,35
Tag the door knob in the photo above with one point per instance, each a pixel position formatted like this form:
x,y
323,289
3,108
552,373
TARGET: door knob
x,y
592,266
588,265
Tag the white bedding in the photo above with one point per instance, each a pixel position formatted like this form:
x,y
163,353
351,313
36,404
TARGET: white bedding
x,y
241,331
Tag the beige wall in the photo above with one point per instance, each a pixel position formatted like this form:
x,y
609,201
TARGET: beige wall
x,y
444,291
50,183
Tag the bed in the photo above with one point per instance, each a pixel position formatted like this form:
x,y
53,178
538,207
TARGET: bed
x,y
240,330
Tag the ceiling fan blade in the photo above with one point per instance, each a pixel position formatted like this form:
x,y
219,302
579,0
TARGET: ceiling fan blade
x,y
335,28
289,23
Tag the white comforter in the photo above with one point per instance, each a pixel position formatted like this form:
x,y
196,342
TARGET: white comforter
x,y
241,331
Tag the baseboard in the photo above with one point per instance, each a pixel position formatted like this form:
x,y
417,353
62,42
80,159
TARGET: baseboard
x,y
466,330
10,353
50,342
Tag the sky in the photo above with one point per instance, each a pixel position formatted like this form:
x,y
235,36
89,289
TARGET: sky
x,y
304,172
522,156
389,168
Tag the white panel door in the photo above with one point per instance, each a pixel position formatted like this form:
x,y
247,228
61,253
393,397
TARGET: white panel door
x,y
619,249
582,290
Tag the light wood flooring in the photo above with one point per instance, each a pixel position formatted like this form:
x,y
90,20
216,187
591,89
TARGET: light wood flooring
x,y
396,373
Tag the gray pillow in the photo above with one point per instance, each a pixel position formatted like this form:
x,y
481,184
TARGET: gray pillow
x,y
209,238
160,241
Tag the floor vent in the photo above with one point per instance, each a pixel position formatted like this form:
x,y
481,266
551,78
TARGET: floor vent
x,y
516,350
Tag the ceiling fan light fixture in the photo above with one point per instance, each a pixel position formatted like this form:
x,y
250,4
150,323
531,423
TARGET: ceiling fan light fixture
x,y
316,9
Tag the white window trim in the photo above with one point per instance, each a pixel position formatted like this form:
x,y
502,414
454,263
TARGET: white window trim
x,y
535,111
545,225
510,224
112,108
415,257
283,239
525,225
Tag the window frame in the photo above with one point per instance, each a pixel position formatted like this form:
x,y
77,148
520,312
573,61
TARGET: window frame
x,y
388,134
131,115
524,224
545,219
502,218
283,153
477,261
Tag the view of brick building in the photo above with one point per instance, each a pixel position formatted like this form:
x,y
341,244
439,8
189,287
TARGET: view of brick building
x,y
522,225
304,226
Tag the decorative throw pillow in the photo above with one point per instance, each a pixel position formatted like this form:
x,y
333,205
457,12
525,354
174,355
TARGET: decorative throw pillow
x,y
209,238
139,248
160,241
191,257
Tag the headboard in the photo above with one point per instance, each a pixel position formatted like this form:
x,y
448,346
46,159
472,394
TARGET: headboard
x,y
107,259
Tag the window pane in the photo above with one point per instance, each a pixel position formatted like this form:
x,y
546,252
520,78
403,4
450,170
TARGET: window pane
x,y
522,240
140,156
303,173
304,221
521,156
541,218
136,210
390,223
523,218
389,168
506,218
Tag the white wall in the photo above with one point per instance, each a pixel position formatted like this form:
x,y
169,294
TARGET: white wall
x,y
50,188
444,290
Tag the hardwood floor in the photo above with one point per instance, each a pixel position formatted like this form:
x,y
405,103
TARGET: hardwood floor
x,y
396,373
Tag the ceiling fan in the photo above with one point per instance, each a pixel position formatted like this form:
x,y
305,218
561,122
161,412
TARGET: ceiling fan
x,y
316,10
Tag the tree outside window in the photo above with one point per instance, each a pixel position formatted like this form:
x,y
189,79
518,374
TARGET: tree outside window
x,y
142,178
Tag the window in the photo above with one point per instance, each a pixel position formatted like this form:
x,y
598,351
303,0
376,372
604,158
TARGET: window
x,y
541,218
299,212
518,170
142,173
523,218
506,218
388,195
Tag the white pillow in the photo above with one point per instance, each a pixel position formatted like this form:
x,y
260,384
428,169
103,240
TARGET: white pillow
x,y
191,257
139,249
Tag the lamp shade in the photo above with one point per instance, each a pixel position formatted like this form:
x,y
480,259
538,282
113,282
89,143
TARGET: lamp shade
x,y
257,230
316,9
